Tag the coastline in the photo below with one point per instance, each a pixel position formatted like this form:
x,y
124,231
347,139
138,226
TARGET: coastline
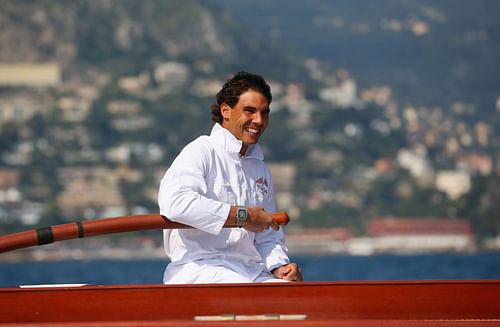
x,y
140,247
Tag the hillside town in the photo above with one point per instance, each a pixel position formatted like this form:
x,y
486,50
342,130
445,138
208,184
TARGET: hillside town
x,y
91,180
379,141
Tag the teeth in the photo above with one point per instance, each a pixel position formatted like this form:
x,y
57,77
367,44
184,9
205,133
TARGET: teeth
x,y
252,130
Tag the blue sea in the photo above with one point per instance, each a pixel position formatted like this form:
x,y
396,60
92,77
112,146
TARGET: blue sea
x,y
315,268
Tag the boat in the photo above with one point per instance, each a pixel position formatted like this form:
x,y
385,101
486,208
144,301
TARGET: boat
x,y
396,303
371,303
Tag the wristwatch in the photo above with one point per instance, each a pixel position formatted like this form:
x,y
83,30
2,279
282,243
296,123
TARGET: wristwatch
x,y
241,216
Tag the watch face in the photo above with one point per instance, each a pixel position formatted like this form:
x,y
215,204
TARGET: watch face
x,y
241,217
242,214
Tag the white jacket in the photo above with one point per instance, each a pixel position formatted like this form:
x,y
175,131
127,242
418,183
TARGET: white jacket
x,y
206,178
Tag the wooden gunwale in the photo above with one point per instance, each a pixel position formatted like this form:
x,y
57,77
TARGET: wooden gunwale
x,y
388,303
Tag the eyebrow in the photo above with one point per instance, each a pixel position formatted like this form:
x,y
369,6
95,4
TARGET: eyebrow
x,y
254,108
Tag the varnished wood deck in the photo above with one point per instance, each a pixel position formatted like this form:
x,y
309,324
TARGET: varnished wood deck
x,y
405,303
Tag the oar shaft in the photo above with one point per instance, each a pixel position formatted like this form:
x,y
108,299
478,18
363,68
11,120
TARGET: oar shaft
x,y
97,227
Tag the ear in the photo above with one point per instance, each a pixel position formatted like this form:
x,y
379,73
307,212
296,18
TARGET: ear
x,y
225,110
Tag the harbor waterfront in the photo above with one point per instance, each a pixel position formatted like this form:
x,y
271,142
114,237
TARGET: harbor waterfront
x,y
390,253
437,266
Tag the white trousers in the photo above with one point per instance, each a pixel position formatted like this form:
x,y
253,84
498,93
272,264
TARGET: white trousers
x,y
192,273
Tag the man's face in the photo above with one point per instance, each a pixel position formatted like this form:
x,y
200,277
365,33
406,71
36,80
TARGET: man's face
x,y
248,119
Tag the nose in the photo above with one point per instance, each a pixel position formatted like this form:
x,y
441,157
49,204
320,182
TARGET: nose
x,y
257,118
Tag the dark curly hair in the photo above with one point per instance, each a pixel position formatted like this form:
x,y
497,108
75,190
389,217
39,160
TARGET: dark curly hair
x,y
234,87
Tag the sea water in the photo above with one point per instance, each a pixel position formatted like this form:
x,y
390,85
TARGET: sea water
x,y
315,268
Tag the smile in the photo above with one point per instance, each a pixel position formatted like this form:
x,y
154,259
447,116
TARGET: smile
x,y
254,131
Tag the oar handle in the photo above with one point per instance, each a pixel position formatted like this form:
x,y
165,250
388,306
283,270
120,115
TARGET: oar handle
x,y
97,227
281,217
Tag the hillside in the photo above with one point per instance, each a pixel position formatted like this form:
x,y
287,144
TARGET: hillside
x,y
127,36
429,52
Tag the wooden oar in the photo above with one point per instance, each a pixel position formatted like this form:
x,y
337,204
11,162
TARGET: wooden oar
x,y
103,226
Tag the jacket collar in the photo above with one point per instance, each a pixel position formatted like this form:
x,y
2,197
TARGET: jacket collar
x,y
232,145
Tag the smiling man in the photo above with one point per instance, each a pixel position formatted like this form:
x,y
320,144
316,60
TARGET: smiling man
x,y
221,178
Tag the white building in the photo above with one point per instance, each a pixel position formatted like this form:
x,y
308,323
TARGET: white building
x,y
454,183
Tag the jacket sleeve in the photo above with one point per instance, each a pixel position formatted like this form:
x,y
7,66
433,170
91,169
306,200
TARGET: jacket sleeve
x,y
182,196
271,244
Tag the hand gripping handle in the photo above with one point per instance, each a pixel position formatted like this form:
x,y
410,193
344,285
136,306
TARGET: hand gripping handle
x,y
281,218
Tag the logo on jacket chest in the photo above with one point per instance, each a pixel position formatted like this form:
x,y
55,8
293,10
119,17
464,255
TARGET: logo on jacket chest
x,y
262,186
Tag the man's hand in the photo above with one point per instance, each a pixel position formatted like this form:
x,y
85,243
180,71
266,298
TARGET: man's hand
x,y
259,220
290,272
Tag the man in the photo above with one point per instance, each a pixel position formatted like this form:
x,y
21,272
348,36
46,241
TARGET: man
x,y
219,179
